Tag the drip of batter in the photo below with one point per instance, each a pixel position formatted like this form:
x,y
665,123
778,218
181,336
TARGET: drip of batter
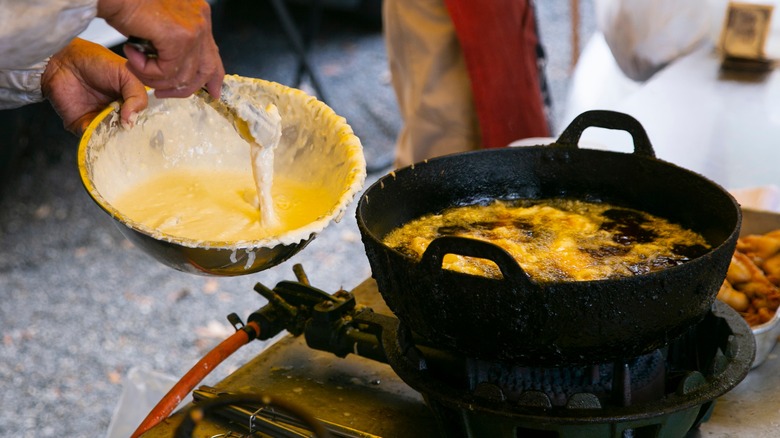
x,y
262,128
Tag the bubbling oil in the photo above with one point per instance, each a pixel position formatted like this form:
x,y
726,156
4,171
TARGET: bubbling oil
x,y
556,239
219,205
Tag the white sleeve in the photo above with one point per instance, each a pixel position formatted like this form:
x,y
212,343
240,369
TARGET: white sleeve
x,y
22,86
30,32
645,35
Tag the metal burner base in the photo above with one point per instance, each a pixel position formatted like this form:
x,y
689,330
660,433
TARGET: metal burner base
x,y
703,365
370,397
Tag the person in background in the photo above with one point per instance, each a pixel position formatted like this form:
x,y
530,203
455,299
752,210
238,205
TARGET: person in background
x,y
467,75
646,35
42,58
634,40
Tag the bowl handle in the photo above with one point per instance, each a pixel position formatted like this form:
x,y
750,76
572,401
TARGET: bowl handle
x,y
433,257
609,120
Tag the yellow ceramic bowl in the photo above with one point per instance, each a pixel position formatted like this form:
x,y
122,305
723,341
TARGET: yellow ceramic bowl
x,y
317,149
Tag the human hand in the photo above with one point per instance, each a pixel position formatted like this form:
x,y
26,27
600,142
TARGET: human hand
x,y
83,78
187,55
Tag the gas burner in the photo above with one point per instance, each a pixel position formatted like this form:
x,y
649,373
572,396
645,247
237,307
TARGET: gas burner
x,y
663,394
643,375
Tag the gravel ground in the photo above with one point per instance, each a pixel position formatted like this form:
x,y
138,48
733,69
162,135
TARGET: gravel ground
x,y
80,306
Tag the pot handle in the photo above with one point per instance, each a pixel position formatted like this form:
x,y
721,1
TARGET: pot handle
x,y
441,246
609,120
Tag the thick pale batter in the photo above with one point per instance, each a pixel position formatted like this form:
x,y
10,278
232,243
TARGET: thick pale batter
x,y
218,205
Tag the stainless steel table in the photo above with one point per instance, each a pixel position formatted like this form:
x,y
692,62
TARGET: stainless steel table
x,y
752,409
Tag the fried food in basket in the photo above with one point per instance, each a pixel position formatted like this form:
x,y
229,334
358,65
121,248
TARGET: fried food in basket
x,y
752,284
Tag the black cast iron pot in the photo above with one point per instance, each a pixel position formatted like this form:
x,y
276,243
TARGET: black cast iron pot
x,y
548,324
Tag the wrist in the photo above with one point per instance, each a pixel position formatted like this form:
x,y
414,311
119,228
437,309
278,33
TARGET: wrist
x,y
50,67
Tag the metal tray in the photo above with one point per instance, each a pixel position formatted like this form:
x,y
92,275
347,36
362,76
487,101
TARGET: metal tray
x,y
759,222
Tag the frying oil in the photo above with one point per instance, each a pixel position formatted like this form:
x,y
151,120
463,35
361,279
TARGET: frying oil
x,y
556,239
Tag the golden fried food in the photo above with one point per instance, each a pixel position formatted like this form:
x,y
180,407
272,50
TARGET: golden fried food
x,y
741,269
753,277
759,247
556,239
734,298
771,267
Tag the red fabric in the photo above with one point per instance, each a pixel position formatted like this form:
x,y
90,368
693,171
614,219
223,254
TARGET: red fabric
x,y
498,38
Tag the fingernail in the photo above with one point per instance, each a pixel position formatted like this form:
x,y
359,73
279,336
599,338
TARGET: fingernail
x,y
130,122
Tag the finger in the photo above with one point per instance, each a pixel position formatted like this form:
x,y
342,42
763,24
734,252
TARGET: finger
x,y
132,106
213,70
158,73
78,126
214,83
175,92
135,100
154,80
139,62
182,82
182,86
199,68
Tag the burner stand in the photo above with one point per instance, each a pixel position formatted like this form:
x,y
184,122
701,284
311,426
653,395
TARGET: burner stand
x,y
371,397
702,365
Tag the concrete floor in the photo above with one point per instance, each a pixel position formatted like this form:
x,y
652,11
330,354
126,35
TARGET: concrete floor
x,y
80,306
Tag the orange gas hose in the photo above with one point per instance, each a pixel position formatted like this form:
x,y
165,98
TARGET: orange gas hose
x,y
194,376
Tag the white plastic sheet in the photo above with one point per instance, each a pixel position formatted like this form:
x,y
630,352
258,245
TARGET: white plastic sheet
x,y
141,391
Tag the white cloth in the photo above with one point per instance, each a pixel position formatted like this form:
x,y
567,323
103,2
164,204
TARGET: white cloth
x,y
645,35
30,32
430,80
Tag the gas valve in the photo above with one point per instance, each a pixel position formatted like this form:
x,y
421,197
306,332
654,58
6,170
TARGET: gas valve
x,y
292,305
